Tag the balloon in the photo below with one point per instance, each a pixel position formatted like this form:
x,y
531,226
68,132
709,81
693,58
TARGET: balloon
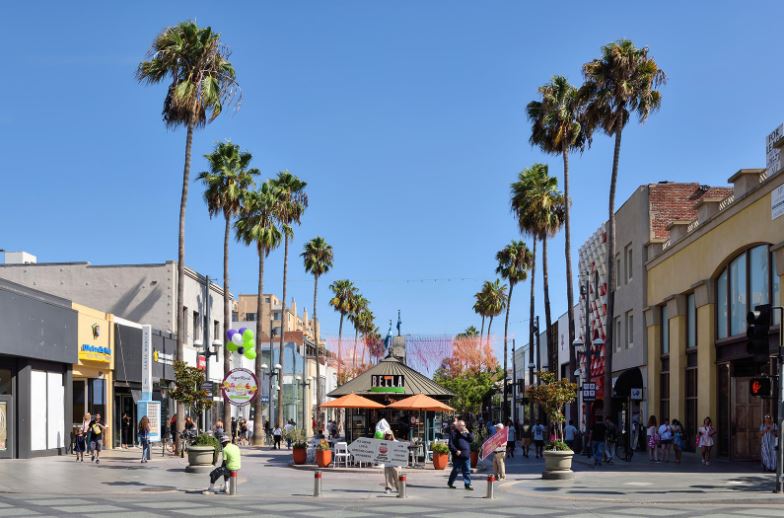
x,y
250,354
231,346
230,333
379,434
240,350
242,330
237,339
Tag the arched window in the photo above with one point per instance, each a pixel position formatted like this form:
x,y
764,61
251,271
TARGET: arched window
x,y
748,280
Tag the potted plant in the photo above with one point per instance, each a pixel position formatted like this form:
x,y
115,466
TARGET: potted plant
x,y
299,446
553,394
440,455
323,454
203,453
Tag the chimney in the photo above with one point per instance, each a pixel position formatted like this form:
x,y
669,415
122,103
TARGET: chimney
x,y
678,228
20,258
746,180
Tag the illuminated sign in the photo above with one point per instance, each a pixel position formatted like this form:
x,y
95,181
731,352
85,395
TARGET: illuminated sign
x,y
391,383
95,353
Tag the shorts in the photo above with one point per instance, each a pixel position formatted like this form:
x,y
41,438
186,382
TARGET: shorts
x,y
539,443
666,441
96,445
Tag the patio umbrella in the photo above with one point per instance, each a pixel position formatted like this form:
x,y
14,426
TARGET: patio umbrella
x,y
421,402
352,401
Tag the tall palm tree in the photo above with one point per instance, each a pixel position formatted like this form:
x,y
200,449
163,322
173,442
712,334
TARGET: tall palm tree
x,y
318,258
556,127
292,202
623,81
367,324
257,224
202,81
514,261
495,301
226,183
358,307
481,310
343,295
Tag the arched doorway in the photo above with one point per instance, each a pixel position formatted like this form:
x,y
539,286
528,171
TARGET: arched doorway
x,y
627,405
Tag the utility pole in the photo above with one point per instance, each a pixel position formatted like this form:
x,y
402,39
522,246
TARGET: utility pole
x,y
780,451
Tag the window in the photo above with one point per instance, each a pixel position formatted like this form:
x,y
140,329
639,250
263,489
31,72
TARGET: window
x,y
665,331
629,329
618,276
216,331
196,326
691,420
776,291
691,322
738,305
595,285
184,323
664,380
629,263
617,338
276,315
235,317
250,317
759,275
721,305
267,300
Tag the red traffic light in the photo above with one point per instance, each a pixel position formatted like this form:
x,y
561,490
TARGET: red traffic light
x,y
760,387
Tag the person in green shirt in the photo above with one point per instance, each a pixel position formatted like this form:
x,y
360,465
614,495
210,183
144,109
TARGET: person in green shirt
x,y
231,462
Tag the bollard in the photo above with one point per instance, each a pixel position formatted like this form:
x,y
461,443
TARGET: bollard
x,y
233,483
490,489
401,487
317,484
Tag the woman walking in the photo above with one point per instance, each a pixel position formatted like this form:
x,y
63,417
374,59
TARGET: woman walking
x,y
677,439
277,434
653,439
665,439
125,432
768,434
86,420
144,438
705,441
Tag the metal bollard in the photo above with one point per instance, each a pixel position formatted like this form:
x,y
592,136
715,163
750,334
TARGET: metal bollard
x,y
490,489
317,484
401,488
233,483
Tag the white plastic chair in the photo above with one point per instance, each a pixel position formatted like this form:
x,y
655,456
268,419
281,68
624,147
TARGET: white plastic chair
x,y
341,452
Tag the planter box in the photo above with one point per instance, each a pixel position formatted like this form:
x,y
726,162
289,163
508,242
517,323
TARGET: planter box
x,y
323,458
440,460
200,459
558,465
300,455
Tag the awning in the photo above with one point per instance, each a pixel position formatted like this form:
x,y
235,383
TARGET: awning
x,y
352,401
421,402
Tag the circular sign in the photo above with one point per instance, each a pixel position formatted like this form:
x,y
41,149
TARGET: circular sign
x,y
239,387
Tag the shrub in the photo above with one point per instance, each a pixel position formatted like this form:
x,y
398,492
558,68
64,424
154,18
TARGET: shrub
x,y
207,440
440,447
558,446
323,445
298,439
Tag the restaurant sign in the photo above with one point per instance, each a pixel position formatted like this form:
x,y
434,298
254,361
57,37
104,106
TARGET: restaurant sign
x,y
389,383
240,387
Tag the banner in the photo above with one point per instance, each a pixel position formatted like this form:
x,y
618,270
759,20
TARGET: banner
x,y
377,451
496,441
240,387
152,409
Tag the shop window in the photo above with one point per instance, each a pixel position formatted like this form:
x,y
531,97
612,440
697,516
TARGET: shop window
x,y
97,397
721,305
759,276
665,331
738,301
664,399
690,424
691,321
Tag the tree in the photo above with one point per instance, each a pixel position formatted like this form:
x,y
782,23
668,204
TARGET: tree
x,y
470,387
257,224
292,202
318,257
358,306
374,344
556,127
468,355
480,309
514,261
553,394
343,296
623,81
187,388
494,300
202,81
226,183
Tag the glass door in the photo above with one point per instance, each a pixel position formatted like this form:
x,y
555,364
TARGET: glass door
x,y
6,427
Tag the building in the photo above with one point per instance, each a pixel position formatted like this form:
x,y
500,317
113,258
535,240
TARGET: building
x,y
646,219
245,309
38,348
701,283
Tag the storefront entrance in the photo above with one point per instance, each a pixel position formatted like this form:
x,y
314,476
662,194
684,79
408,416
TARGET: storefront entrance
x,y
6,430
747,412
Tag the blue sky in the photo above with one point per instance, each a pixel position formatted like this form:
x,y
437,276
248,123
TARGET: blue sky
x,y
405,118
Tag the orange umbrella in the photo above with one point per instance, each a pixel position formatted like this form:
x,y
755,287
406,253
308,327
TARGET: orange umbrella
x,y
352,401
421,402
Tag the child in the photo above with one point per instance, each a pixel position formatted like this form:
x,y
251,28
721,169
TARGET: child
x,y
81,445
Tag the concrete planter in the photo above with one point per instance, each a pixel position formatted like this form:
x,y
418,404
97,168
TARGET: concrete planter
x,y
558,465
200,459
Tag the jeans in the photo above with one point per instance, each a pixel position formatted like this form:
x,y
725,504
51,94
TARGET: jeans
x,y
145,449
598,451
463,464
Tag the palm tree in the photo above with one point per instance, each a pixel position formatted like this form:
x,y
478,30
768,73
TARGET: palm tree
x,y
514,261
202,81
226,183
292,202
622,81
343,295
257,224
367,324
556,127
480,309
494,300
358,306
318,259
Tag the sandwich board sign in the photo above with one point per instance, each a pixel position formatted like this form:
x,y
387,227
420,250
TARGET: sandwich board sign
x,y
378,451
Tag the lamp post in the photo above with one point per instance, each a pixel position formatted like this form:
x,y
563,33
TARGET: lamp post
x,y
208,344
271,373
303,383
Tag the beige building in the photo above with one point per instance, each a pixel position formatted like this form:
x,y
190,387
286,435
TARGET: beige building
x,y
245,309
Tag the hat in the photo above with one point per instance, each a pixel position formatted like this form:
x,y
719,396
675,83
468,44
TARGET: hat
x,y
224,439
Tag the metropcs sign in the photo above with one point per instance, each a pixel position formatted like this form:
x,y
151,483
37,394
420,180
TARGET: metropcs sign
x,y
95,353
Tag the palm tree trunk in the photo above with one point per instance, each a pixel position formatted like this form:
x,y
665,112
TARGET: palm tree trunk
x,y
283,319
531,329
551,351
340,343
354,354
321,416
608,325
258,425
226,309
569,279
506,349
481,334
182,327
489,325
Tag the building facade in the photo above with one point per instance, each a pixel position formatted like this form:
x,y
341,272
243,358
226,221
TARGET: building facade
x,y
246,310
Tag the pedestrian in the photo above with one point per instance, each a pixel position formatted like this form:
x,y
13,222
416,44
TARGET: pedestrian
x,y
287,429
598,435
144,438
460,446
125,431
97,429
80,445
218,430
677,440
511,437
526,436
233,429
665,440
243,425
705,434
391,473
570,434
173,432
538,433
610,439
652,433
231,463
277,433
499,457
86,421
768,434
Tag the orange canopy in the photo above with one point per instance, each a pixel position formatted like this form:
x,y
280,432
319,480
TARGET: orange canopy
x,y
351,401
421,402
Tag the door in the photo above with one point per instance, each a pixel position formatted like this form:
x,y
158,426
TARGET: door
x,y
6,427
747,414
124,404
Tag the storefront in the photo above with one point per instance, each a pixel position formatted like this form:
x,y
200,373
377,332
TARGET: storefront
x,y
37,352
93,383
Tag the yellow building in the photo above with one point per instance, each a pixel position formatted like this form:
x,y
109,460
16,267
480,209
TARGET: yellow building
x,y
700,286
93,378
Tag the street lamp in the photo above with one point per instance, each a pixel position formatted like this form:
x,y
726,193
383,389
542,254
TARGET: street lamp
x,y
271,373
303,384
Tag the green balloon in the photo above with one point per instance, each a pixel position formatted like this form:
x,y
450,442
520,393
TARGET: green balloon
x,y
379,434
250,354
247,335
231,346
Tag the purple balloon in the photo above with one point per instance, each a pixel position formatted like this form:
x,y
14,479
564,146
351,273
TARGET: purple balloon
x,y
230,333
242,330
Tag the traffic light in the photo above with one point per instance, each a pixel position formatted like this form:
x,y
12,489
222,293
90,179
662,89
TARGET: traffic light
x,y
757,329
760,387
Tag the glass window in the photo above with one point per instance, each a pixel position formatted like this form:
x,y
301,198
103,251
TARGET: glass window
x,y
629,329
617,338
250,317
721,304
691,322
759,275
629,263
776,289
738,302
196,319
665,333
5,420
97,402
5,382
79,406
618,276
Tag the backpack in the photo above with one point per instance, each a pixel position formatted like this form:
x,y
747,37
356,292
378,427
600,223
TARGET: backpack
x,y
97,429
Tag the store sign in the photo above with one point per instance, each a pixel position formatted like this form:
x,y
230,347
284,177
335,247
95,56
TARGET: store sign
x,y
773,152
777,202
201,362
589,391
95,353
239,387
159,357
146,362
377,451
390,383
636,394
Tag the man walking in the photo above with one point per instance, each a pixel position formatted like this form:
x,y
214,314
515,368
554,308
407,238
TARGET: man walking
x,y
499,456
570,433
538,433
598,434
460,447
